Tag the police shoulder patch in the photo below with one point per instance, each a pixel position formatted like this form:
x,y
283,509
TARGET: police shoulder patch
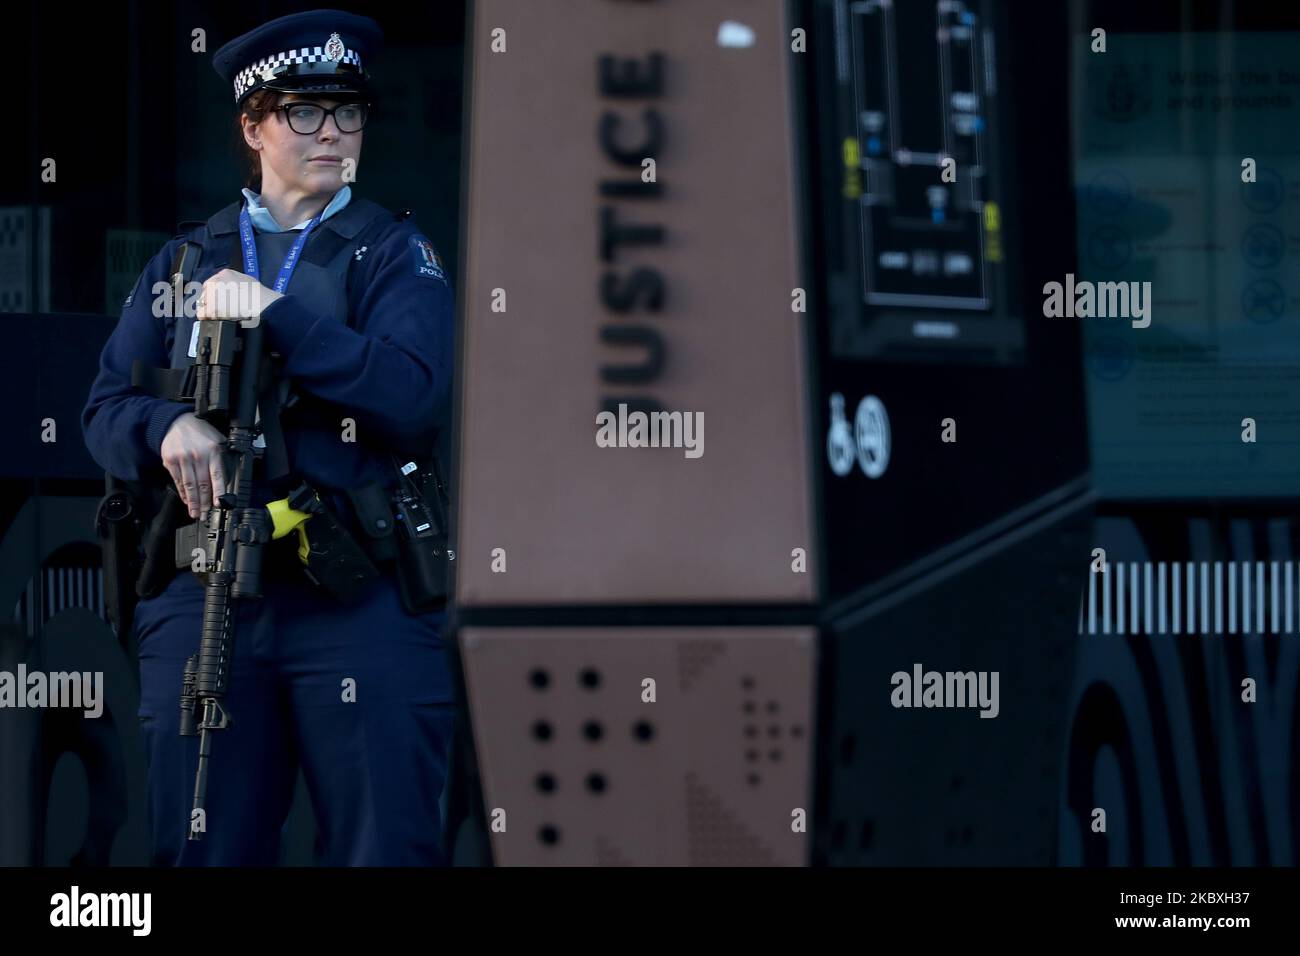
x,y
427,261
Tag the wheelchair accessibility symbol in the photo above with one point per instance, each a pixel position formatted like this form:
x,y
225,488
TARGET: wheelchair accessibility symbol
x,y
839,439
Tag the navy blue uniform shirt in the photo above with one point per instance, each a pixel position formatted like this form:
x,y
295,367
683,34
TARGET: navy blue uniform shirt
x,y
390,371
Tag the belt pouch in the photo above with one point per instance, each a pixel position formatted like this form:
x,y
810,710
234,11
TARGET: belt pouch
x,y
375,518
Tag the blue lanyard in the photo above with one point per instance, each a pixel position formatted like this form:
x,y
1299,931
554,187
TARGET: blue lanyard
x,y
251,266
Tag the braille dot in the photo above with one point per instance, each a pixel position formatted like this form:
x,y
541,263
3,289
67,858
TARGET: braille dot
x,y
596,782
643,730
592,730
549,835
539,678
774,755
542,730
773,707
751,730
748,707
796,731
753,779
545,782
590,678
747,683
751,755
774,731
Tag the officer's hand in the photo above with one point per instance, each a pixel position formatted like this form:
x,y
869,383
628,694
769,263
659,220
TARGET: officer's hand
x,y
192,453
233,295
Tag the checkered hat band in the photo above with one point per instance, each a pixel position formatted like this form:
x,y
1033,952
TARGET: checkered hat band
x,y
250,76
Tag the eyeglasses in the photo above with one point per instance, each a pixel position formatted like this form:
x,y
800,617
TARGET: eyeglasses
x,y
308,118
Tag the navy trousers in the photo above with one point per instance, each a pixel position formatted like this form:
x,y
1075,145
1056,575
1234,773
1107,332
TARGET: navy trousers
x,y
359,697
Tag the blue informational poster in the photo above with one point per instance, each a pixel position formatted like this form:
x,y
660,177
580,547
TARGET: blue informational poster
x,y
1187,173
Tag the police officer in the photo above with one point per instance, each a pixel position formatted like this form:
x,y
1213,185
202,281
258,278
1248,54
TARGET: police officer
x,y
359,322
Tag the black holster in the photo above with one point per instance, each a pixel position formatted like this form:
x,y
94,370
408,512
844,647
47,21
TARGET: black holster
x,y
422,566
405,528
337,563
119,525
420,509
135,523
